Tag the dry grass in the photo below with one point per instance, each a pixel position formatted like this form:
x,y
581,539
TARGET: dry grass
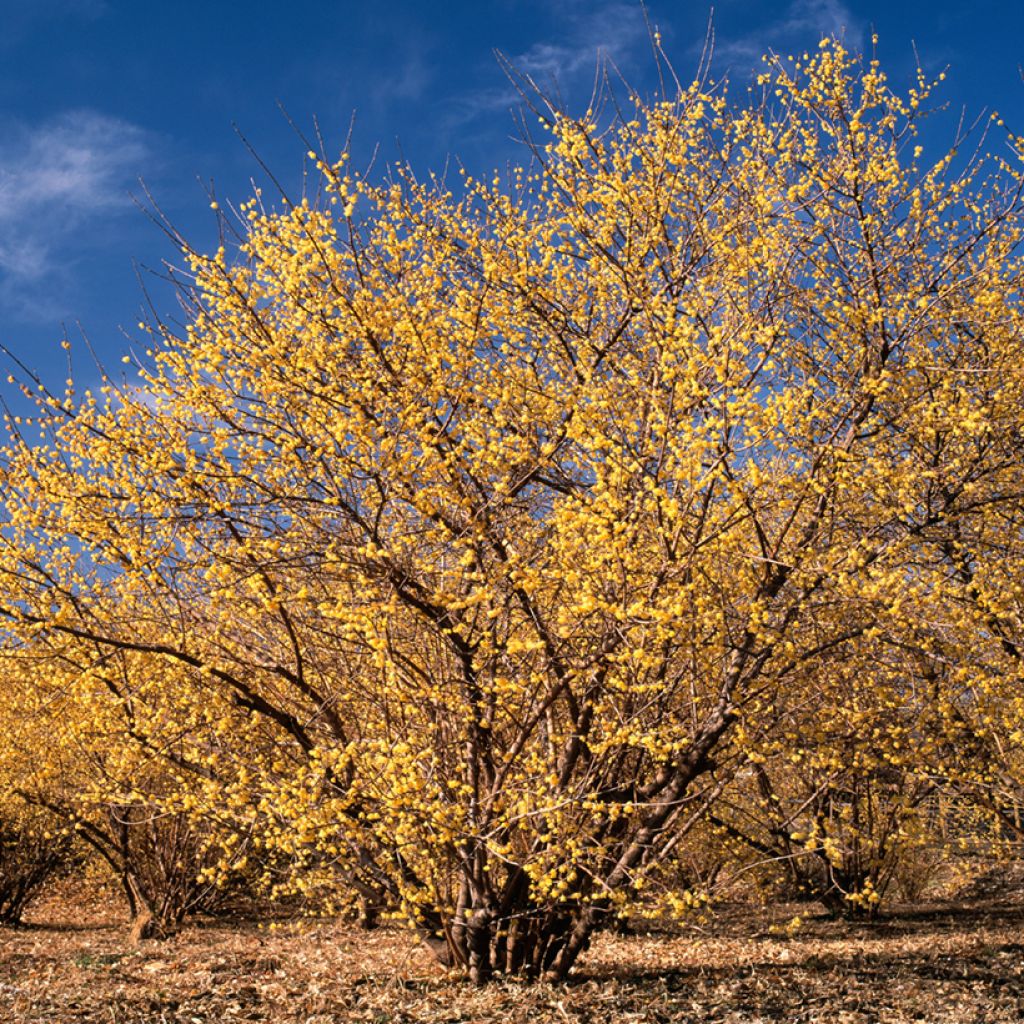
x,y
951,962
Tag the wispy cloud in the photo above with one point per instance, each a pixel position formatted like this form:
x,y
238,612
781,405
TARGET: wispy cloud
x,y
22,19
58,180
611,30
801,19
590,31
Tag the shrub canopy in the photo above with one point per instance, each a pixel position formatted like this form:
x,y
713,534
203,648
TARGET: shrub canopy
x,y
482,542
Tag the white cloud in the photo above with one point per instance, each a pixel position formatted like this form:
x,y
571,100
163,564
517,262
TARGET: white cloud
x,y
802,20
57,179
30,16
823,18
591,31
611,30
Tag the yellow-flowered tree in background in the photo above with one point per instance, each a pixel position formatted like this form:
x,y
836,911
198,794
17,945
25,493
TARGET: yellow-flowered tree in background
x,y
471,550
108,746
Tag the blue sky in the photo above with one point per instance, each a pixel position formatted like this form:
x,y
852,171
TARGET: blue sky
x,y
96,95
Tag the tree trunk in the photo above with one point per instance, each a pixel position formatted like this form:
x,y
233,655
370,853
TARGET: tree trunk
x,y
145,922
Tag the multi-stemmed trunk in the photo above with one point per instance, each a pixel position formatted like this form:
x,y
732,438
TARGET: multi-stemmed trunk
x,y
510,930
529,941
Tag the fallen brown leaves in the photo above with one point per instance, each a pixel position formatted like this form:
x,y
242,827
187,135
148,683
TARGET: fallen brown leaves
x,y
951,962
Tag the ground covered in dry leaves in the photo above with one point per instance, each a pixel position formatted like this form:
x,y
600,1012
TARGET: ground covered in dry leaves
x,y
957,961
